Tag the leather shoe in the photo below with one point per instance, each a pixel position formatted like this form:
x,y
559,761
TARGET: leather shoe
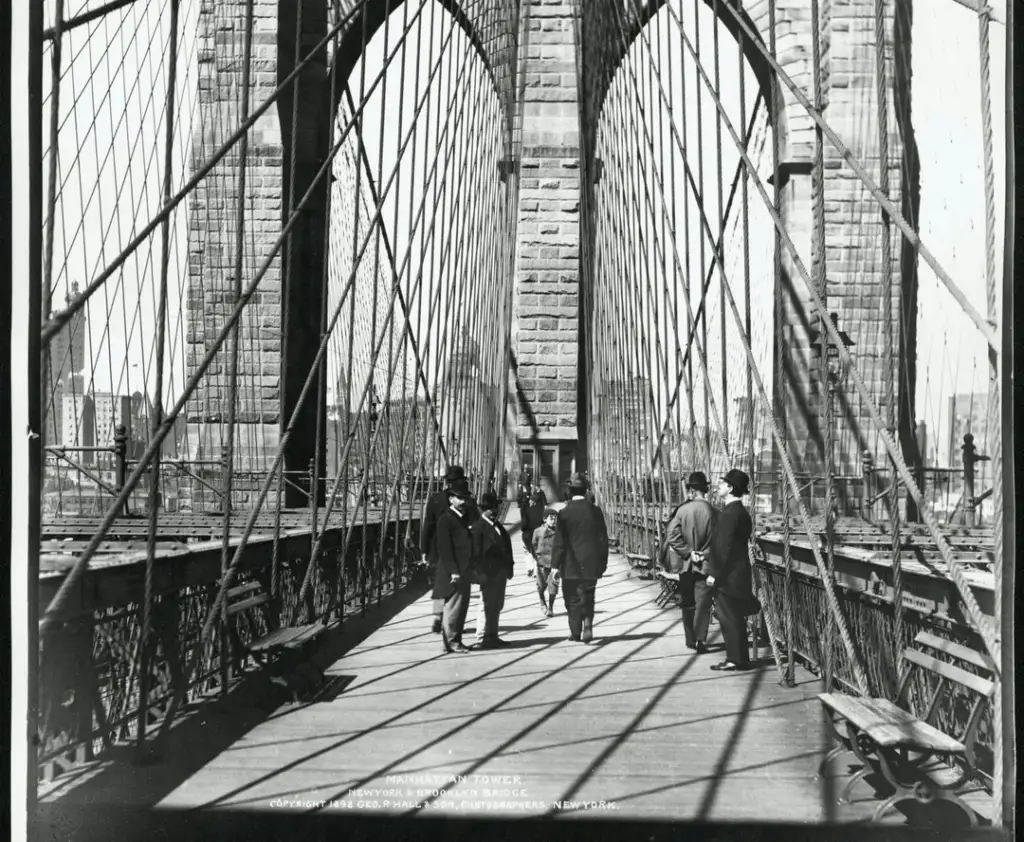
x,y
700,647
459,649
436,625
588,631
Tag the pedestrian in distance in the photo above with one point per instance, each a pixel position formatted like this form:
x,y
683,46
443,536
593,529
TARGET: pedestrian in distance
x,y
689,539
579,552
437,505
547,579
531,516
729,571
493,566
455,573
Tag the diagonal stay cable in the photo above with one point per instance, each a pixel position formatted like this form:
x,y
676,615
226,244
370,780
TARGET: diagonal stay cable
x,y
984,327
981,622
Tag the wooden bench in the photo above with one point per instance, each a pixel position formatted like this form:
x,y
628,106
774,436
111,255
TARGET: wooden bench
x,y
286,647
884,735
669,582
640,564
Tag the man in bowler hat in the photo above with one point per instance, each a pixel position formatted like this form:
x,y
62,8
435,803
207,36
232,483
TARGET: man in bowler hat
x,y
729,569
579,553
689,538
455,569
454,479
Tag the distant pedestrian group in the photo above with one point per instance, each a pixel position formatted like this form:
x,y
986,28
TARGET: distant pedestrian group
x,y
707,546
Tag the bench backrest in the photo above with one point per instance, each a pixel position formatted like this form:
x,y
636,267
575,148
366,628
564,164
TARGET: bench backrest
x,y
244,597
950,676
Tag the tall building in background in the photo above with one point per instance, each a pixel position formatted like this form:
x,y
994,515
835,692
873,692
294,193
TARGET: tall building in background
x,y
78,422
66,358
967,413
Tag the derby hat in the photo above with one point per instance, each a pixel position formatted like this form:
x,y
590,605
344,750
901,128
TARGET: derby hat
x,y
578,480
697,481
461,491
489,501
455,474
550,513
738,481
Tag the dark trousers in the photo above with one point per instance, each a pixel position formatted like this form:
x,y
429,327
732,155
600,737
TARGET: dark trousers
x,y
734,628
492,596
456,607
579,604
528,540
547,598
695,598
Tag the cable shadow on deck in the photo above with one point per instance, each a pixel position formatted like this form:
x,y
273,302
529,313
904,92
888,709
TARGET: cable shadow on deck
x,y
382,725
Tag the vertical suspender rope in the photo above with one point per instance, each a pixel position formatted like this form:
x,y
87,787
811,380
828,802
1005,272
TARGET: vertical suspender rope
x,y
818,254
889,373
158,397
1000,814
229,453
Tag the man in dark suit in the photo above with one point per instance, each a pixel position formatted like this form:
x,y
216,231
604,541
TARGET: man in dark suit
x,y
729,569
579,553
454,570
492,552
689,539
455,478
531,516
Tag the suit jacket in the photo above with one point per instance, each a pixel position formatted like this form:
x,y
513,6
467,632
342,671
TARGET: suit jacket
x,y
729,561
436,506
580,547
691,528
492,549
454,552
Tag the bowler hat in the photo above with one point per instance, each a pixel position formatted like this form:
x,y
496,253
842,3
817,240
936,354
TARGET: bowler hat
x,y
489,501
578,480
461,491
454,474
738,481
550,513
697,481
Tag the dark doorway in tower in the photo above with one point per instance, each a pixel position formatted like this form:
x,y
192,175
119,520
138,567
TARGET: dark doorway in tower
x,y
550,466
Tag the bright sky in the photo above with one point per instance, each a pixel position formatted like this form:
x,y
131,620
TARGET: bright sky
x,y
111,148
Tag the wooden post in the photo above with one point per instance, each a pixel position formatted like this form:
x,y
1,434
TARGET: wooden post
x,y
121,458
969,458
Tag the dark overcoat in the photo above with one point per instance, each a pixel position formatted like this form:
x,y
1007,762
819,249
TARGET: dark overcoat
x,y
580,547
454,552
436,506
492,549
729,561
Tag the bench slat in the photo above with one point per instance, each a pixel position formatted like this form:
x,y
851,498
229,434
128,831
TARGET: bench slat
x,y
239,590
971,656
287,637
953,673
246,604
889,725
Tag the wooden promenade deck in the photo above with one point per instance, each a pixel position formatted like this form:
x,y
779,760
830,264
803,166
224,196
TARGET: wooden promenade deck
x,y
633,726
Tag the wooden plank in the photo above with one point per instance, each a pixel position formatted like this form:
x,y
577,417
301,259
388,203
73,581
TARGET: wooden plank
x,y
246,604
957,650
287,637
889,725
974,682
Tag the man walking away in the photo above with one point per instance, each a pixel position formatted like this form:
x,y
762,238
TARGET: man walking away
x,y
492,553
689,538
729,569
455,478
531,516
579,553
547,579
454,570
